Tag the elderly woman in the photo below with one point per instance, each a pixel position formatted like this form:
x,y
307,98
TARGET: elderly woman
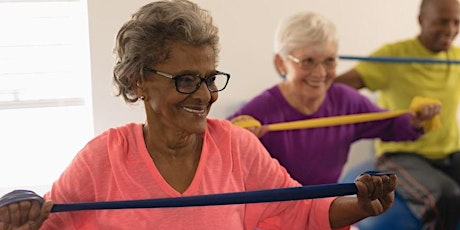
x,y
306,56
167,55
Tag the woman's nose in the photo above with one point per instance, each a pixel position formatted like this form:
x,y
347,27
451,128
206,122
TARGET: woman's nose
x,y
202,91
319,69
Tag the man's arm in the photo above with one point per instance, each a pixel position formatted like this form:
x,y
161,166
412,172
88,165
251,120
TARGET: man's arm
x,y
351,78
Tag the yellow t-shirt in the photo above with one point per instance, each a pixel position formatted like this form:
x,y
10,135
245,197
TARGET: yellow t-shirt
x,y
398,83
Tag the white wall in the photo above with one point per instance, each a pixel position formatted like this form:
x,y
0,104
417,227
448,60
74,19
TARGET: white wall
x,y
246,30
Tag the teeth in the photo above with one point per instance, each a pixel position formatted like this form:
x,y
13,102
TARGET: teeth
x,y
193,110
314,83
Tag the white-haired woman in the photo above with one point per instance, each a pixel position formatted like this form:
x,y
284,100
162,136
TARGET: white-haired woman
x,y
306,47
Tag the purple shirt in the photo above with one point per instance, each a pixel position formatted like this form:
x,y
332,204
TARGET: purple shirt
x,y
317,155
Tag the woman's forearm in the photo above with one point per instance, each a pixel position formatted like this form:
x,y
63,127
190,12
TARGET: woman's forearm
x,y
345,211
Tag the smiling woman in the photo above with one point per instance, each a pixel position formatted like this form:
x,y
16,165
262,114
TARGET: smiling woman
x,y
44,89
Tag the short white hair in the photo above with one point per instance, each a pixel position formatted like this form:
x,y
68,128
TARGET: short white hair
x,y
303,29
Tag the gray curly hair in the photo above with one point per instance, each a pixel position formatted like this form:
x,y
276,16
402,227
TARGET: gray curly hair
x,y
146,39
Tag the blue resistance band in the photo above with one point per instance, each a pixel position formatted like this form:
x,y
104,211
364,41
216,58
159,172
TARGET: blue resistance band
x,y
258,196
400,60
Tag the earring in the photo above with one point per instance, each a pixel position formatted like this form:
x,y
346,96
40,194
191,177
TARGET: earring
x,y
142,97
283,75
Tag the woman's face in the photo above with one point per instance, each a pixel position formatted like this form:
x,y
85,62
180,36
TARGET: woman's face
x,y
174,111
311,70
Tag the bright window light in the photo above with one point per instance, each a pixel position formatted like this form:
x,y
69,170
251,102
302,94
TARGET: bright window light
x,y
45,101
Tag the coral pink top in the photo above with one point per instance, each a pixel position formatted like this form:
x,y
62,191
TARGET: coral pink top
x,y
116,166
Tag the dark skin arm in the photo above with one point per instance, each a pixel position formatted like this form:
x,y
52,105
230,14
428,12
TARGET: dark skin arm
x,y
351,78
375,196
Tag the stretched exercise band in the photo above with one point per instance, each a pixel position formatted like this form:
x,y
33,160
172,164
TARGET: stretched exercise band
x,y
247,197
416,105
333,121
400,60
258,196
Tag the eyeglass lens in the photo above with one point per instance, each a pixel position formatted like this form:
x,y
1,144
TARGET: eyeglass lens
x,y
190,83
310,63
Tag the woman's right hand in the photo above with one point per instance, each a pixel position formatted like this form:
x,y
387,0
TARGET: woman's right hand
x,y
257,130
24,215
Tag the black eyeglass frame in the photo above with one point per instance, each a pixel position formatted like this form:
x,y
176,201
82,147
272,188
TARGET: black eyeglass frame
x,y
175,79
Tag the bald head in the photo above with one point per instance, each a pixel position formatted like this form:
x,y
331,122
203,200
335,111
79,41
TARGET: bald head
x,y
426,5
439,23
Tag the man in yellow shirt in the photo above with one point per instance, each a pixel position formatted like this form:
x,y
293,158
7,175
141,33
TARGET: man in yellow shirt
x,y
429,168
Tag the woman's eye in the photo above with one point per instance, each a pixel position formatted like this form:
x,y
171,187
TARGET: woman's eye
x,y
211,79
187,79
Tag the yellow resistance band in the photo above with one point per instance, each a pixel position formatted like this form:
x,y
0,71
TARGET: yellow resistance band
x,y
416,105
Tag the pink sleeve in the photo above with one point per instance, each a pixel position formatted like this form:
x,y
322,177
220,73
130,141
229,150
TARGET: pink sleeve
x,y
76,183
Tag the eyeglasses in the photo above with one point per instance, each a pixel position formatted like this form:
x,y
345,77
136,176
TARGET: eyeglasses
x,y
309,63
190,83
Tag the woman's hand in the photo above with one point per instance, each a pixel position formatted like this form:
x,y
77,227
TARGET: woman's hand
x,y
24,215
375,192
258,130
375,195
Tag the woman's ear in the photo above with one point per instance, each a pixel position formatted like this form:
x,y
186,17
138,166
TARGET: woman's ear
x,y
279,65
139,90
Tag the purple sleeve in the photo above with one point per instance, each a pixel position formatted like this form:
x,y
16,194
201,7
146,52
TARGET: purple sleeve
x,y
392,129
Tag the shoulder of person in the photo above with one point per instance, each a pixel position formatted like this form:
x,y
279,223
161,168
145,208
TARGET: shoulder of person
x,y
396,46
341,89
222,130
455,48
346,96
117,134
258,103
219,125
403,42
